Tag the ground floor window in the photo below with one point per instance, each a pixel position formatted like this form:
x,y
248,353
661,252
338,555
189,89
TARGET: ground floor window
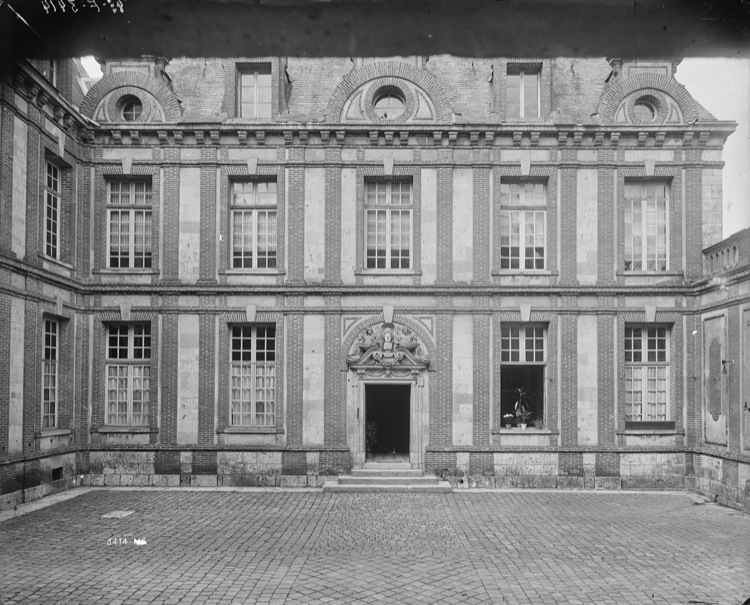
x,y
253,397
646,373
523,360
128,374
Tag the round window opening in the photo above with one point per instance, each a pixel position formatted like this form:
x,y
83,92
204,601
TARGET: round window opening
x,y
389,106
131,109
644,112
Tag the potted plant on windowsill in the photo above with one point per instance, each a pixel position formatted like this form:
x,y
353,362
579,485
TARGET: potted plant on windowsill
x,y
508,418
523,412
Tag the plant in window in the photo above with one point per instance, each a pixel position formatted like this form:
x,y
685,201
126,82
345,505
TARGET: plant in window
x,y
508,420
522,407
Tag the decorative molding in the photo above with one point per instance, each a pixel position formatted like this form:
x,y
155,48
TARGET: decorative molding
x,y
304,136
135,137
660,138
404,137
489,137
325,136
687,138
577,139
214,134
642,136
614,138
388,137
452,137
474,137
373,137
517,137
703,138
177,134
390,346
562,139
242,136
288,137
163,139
535,138
199,137
599,139
260,137
340,134
117,137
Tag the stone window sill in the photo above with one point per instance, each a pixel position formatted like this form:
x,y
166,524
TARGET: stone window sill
x,y
252,430
53,432
56,261
518,430
525,272
252,272
387,272
627,274
126,429
125,271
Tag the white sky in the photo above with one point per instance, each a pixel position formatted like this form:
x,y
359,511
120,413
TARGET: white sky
x,y
722,86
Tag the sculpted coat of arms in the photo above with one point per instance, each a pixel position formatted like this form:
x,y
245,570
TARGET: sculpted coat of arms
x,y
388,345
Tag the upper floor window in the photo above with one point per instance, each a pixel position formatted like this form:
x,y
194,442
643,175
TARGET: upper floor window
x,y
388,224
523,93
253,210
129,220
646,373
523,219
254,92
253,399
52,211
50,380
128,371
646,226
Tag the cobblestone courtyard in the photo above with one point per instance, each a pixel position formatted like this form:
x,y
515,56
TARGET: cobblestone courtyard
x,y
313,548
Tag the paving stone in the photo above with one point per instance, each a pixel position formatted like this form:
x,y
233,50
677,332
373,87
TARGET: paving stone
x,y
254,546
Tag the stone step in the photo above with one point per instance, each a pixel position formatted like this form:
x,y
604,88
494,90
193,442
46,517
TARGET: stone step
x,y
390,480
386,472
441,487
387,465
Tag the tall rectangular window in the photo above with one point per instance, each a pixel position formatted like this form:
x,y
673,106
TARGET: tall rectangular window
x,y
129,211
523,93
50,386
523,360
254,93
128,371
646,373
52,212
253,377
388,228
646,226
523,220
253,209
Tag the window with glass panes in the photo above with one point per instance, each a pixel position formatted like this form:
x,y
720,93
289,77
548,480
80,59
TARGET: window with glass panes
x,y
253,379
52,211
254,92
646,373
388,232
523,93
50,386
128,370
523,361
523,220
253,210
129,212
646,226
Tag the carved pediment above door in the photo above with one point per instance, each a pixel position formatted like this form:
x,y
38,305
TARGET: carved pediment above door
x,y
388,346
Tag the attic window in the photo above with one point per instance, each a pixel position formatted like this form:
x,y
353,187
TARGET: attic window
x,y
389,105
644,112
131,108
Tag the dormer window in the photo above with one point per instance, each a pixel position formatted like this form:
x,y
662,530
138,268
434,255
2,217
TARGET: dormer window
x,y
389,106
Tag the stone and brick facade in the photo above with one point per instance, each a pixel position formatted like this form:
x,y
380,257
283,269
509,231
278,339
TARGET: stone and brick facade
x,y
442,234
